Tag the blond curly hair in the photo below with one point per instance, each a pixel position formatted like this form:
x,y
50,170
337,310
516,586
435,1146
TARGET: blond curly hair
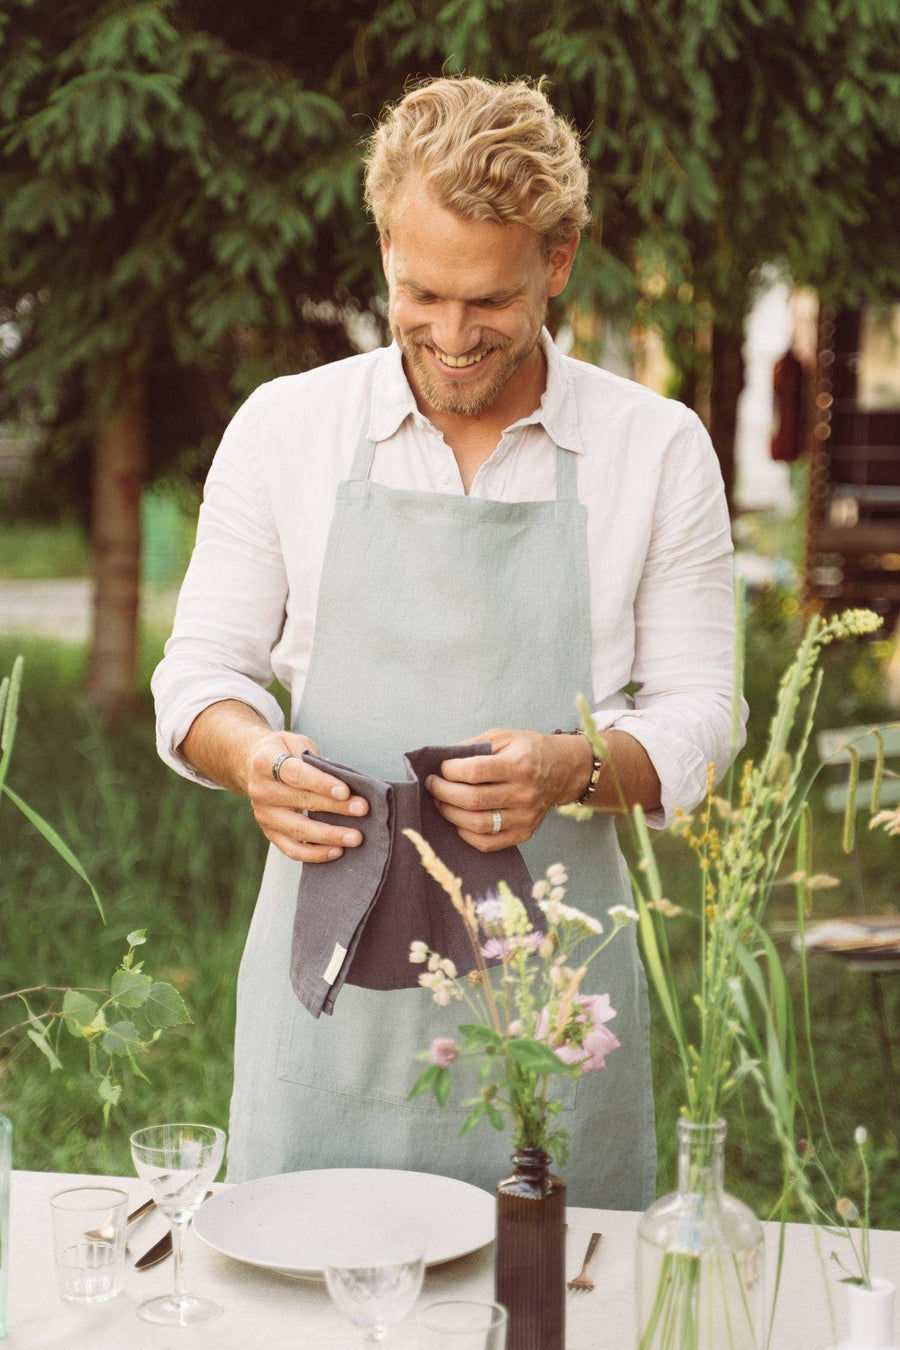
x,y
487,152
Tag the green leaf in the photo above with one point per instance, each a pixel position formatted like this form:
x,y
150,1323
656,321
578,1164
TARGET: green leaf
x,y
472,1119
164,1006
79,1011
121,1039
110,1094
430,1081
479,1033
535,1057
54,840
442,1086
493,1115
40,1040
129,988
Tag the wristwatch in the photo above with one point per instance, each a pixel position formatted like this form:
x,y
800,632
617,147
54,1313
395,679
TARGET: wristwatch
x,y
596,767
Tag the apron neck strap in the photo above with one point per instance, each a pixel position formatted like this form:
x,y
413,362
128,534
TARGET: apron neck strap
x,y
362,458
566,475
566,468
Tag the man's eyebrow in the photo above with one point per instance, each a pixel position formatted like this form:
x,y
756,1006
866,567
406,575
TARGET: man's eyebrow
x,y
496,297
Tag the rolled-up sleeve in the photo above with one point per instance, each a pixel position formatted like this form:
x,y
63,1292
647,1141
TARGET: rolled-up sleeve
x,y
684,641
231,608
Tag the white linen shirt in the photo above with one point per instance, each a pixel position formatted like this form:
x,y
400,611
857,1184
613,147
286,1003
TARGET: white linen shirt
x,y
659,548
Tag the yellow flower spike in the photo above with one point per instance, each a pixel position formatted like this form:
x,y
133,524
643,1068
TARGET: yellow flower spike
x,y
515,916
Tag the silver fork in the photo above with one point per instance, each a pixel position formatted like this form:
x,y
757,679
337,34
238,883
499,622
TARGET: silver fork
x,y
582,1280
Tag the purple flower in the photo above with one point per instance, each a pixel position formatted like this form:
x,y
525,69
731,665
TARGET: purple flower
x,y
443,1051
501,947
596,1042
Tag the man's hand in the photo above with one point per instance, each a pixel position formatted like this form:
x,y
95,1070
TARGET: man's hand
x,y
525,775
231,744
280,805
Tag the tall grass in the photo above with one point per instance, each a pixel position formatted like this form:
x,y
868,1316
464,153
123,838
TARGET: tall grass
x,y
185,862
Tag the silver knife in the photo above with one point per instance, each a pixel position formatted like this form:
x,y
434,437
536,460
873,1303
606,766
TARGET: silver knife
x,y
160,1250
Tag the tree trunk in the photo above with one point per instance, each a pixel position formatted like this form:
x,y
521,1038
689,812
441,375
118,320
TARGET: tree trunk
x,y
118,477
727,383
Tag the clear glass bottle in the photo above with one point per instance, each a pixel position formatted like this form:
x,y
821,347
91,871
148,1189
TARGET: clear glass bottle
x,y
5,1174
700,1257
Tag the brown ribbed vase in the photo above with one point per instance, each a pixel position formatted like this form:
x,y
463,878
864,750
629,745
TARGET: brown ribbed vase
x,y
530,1253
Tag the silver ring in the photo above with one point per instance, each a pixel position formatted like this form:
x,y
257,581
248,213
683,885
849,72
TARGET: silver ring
x,y
276,767
498,823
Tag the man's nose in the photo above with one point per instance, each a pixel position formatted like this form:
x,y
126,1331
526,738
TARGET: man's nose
x,y
453,331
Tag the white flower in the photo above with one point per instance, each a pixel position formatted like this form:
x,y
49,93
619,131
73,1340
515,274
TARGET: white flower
x,y
665,907
556,912
552,909
490,909
889,819
560,976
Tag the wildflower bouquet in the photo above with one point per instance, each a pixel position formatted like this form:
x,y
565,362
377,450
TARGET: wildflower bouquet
x,y
535,1024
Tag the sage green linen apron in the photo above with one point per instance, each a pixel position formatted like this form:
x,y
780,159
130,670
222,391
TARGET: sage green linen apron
x,y
439,617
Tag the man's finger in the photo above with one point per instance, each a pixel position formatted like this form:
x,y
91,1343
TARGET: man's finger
x,y
297,772
475,769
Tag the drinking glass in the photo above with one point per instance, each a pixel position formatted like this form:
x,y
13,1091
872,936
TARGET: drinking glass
x,y
374,1276
178,1162
463,1324
89,1242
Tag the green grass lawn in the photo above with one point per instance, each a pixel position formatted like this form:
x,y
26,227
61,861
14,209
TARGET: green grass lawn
x,y
30,552
184,863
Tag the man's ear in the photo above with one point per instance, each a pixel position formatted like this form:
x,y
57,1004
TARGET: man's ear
x,y
561,259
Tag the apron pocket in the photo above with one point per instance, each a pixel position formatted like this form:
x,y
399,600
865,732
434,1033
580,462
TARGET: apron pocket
x,y
367,1050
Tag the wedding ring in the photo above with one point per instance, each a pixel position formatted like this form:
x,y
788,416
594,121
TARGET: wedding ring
x,y
498,823
276,767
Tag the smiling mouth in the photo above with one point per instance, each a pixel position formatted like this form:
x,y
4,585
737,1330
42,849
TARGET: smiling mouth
x,y
457,362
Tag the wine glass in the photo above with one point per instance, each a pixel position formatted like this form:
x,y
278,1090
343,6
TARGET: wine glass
x,y
374,1276
178,1162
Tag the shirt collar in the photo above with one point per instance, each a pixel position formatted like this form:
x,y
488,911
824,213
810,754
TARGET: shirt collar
x,y
393,400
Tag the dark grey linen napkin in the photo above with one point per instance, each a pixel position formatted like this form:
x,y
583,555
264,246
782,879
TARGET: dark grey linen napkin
x,y
356,916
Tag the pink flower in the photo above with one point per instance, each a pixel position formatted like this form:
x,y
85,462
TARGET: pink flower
x,y
597,1041
443,1051
503,946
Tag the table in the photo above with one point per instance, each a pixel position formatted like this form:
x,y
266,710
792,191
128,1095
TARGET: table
x,y
275,1313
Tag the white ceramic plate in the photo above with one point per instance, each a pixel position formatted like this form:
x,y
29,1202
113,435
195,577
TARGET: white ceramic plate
x,y
279,1222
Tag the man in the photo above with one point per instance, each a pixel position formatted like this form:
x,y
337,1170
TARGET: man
x,y
451,539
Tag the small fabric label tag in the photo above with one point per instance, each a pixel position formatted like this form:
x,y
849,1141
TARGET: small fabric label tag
x,y
332,970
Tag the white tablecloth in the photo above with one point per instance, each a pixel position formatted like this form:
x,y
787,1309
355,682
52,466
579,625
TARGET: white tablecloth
x,y
272,1312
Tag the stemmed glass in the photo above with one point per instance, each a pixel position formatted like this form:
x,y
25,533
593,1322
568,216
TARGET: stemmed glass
x,y
178,1162
374,1276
